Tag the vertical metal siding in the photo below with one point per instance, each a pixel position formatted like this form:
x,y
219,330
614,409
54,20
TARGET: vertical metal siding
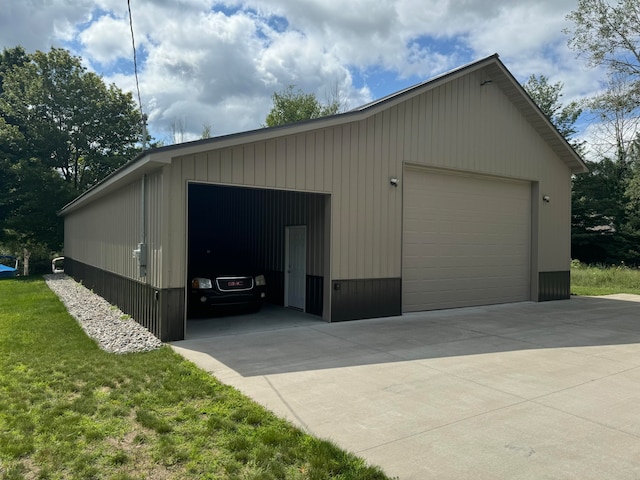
x,y
104,234
110,226
459,125
554,286
349,160
477,129
155,226
159,310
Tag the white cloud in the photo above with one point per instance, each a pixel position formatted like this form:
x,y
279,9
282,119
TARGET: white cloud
x,y
39,24
218,63
106,40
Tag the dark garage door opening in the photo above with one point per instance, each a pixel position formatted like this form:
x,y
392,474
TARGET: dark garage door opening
x,y
254,228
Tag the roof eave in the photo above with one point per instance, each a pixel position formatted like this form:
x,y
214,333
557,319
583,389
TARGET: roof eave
x,y
159,157
534,115
142,164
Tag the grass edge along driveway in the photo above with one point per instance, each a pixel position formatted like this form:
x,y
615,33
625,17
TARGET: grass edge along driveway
x,y
72,411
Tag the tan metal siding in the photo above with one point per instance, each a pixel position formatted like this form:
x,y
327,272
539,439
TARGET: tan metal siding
x,y
366,209
366,242
554,231
154,224
471,128
464,126
460,126
176,259
105,233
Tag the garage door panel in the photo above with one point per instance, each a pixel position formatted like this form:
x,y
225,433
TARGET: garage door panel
x,y
449,281
473,296
466,240
484,261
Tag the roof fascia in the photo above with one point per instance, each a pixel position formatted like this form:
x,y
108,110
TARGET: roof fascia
x,y
141,165
501,76
415,90
165,154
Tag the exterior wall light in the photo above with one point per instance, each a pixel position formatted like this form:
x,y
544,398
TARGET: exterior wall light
x,y
393,181
546,198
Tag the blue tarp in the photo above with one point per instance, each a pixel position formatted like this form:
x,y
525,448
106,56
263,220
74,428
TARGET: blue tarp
x,y
7,272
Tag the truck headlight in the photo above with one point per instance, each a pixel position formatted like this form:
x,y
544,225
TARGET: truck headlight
x,y
201,283
260,281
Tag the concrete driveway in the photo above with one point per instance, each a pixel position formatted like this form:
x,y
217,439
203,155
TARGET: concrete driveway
x,y
521,391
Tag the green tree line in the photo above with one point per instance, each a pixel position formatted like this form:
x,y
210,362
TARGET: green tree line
x,y
62,129
605,221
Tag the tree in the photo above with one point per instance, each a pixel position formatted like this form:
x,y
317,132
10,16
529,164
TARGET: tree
x,y
291,106
10,137
70,120
617,119
178,129
11,58
600,222
38,195
632,194
62,129
608,35
597,212
206,131
564,117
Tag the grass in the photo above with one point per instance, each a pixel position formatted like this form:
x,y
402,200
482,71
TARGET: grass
x,y
72,411
600,280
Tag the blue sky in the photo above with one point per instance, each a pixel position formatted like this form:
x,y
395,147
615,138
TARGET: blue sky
x,y
204,62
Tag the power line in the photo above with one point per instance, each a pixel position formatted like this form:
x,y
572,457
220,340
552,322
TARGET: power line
x,y
135,70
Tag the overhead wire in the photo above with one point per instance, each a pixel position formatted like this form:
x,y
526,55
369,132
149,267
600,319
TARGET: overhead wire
x,y
135,70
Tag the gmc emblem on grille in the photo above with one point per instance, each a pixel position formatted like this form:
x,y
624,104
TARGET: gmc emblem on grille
x,y
235,283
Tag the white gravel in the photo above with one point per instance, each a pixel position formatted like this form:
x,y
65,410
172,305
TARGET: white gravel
x,y
114,331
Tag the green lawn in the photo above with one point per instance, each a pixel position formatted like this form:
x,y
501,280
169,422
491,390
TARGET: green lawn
x,y
71,411
597,280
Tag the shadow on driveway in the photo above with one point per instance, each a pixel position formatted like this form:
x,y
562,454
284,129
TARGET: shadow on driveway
x,y
279,340
518,391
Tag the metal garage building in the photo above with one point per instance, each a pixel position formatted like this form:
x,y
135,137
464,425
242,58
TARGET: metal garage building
x,y
451,193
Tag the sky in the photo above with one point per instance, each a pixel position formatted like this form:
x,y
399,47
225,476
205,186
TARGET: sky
x,y
204,63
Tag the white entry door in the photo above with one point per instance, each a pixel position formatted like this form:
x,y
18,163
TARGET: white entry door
x,y
295,273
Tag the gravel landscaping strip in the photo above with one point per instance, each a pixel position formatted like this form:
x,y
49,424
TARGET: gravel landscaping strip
x,y
113,330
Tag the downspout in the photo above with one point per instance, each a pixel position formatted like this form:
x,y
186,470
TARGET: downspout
x,y
143,211
141,252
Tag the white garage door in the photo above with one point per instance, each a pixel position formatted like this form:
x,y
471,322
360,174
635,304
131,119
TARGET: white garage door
x,y
466,240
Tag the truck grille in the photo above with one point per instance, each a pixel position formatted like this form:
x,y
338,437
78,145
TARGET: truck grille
x,y
234,284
